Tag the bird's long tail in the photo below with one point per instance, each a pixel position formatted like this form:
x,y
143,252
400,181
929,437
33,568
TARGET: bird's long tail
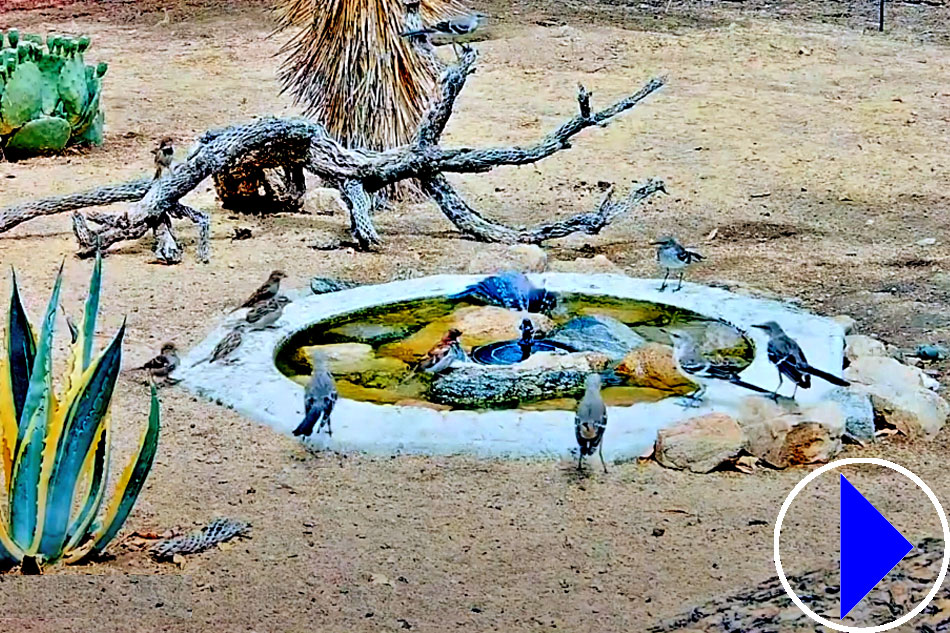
x,y
417,32
309,421
203,360
694,257
749,386
840,382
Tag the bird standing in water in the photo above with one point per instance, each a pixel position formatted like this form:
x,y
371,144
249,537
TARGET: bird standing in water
x,y
671,255
789,359
590,422
445,352
510,290
164,155
319,398
268,290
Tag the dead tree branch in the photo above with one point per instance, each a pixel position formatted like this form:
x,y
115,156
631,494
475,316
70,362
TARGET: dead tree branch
x,y
280,149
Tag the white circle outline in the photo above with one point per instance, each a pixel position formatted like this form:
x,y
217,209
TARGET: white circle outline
x,y
943,523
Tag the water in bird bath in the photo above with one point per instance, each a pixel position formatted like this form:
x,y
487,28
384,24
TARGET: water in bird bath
x,y
372,352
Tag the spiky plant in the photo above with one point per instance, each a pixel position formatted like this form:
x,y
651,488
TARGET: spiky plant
x,y
353,72
55,447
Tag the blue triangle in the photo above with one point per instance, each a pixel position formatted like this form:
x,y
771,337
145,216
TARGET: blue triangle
x,y
870,547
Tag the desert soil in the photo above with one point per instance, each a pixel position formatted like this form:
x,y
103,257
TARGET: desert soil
x,y
814,146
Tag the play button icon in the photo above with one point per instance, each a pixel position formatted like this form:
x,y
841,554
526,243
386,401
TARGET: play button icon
x,y
870,546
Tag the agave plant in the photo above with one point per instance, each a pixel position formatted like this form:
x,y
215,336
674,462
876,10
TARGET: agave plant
x,y
55,447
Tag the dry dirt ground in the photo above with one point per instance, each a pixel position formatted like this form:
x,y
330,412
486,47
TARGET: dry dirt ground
x,y
816,148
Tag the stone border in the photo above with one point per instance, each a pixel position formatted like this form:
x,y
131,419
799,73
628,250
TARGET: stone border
x,y
254,387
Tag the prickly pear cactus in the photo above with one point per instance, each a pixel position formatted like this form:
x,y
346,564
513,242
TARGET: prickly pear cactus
x,y
48,98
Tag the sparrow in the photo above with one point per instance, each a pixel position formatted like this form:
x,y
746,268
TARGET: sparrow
x,y
319,398
266,313
226,346
510,290
590,422
789,359
164,155
673,256
445,352
164,364
268,290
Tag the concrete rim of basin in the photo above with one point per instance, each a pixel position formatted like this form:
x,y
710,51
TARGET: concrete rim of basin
x,y
254,387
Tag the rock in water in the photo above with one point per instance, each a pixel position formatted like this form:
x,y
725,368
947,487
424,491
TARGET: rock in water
x,y
598,334
651,365
543,376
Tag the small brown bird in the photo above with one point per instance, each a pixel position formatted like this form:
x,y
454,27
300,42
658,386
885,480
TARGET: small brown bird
x,y
164,155
226,346
590,422
266,313
164,364
446,352
268,290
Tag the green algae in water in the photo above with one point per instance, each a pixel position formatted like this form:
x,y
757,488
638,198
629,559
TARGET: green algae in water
x,y
388,323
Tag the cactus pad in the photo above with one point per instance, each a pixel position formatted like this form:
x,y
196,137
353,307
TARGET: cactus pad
x,y
49,97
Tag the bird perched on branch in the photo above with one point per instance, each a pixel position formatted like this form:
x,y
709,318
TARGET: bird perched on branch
x,y
691,362
590,422
319,398
164,364
266,313
671,255
510,290
455,30
789,359
164,155
268,290
446,351
226,346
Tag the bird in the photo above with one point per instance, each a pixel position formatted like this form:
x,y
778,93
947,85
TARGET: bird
x,y
164,364
226,346
671,255
446,351
454,29
527,338
511,290
73,328
266,313
319,398
789,359
164,154
590,421
691,362
268,290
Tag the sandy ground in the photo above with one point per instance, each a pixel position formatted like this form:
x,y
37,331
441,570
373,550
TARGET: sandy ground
x,y
844,130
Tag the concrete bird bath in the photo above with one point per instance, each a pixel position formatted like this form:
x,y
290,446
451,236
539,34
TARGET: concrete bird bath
x,y
253,385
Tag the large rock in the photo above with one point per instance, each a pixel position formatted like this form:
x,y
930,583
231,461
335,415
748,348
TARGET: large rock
x,y
479,325
651,365
699,444
782,437
847,323
597,264
598,334
876,370
857,346
915,412
542,376
857,411
357,363
524,258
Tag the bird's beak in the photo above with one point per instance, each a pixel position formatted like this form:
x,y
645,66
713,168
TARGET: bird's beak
x,y
655,243
761,327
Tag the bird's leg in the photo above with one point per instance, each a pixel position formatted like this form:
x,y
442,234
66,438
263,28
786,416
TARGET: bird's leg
x,y
455,48
775,393
580,458
795,392
665,277
679,286
600,451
